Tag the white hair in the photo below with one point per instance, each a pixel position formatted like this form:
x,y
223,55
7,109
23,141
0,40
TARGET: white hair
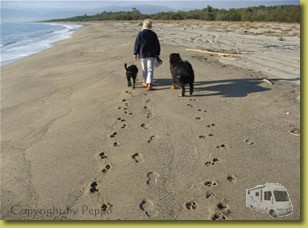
x,y
147,24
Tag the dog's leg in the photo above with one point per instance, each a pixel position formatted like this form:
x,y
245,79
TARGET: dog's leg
x,y
183,90
134,83
129,83
173,81
191,88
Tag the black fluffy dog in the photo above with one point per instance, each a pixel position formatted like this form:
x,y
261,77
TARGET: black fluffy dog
x,y
181,72
131,74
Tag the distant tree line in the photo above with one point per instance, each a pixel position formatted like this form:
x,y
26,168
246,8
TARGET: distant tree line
x,y
282,13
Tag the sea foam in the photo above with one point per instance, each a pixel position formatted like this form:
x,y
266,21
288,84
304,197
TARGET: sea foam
x,y
21,40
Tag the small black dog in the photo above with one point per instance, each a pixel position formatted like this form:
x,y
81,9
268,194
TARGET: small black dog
x,y
182,72
131,74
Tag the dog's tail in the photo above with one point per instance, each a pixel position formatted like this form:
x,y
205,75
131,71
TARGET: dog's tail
x,y
125,66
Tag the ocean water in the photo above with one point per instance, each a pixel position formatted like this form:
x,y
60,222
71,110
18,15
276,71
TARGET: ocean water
x,y
23,39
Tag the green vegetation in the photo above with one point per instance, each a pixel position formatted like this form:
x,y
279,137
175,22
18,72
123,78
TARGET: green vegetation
x,y
283,13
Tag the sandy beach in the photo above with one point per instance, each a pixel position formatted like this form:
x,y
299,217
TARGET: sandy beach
x,y
78,144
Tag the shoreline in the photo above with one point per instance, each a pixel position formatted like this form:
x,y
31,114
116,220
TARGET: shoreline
x,y
47,45
74,135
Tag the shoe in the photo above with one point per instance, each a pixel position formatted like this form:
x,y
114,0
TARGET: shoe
x,y
149,88
173,86
145,84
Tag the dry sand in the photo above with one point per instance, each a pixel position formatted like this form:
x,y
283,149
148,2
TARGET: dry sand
x,y
76,139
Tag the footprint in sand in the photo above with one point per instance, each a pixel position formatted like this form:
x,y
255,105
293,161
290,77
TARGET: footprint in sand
x,y
223,207
127,112
149,208
201,136
218,216
190,105
208,163
145,125
211,125
211,134
138,157
200,110
223,147
198,118
120,119
209,194
153,138
123,100
149,115
152,178
103,155
213,162
295,132
116,144
191,205
114,134
210,183
249,142
124,125
107,208
93,187
231,178
106,169
221,211
148,112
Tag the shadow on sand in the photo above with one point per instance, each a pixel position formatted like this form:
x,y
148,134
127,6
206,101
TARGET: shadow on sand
x,y
225,88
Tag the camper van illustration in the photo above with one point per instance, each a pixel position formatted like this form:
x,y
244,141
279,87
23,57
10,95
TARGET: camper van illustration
x,y
271,198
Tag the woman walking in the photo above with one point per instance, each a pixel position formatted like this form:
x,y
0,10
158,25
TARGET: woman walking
x,y
147,48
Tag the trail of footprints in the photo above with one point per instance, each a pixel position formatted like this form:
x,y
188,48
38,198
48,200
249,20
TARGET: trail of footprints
x,y
200,118
147,205
94,187
152,177
221,210
147,109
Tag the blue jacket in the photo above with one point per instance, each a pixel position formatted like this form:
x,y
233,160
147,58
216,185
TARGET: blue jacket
x,y
147,44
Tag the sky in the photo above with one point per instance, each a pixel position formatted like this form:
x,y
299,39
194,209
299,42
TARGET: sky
x,y
29,10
